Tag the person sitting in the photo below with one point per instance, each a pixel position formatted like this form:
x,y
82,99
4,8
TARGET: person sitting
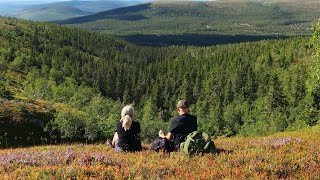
x,y
181,125
127,135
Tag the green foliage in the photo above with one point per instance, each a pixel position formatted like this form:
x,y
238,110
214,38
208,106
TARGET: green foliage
x,y
151,121
315,40
70,124
316,128
297,125
233,115
150,130
276,97
101,117
235,89
315,73
23,124
149,111
82,96
3,90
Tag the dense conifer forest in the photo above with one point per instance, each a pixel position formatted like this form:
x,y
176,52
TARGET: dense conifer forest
x,y
64,84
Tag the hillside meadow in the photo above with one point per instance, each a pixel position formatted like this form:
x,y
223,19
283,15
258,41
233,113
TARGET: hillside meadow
x,y
290,155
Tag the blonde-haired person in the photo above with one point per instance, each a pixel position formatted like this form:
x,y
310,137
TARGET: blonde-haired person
x,y
127,136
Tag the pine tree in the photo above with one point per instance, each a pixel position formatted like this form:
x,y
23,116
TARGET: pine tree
x,y
277,99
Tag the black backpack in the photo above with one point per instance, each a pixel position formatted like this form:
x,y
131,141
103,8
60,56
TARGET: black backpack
x,y
137,143
162,144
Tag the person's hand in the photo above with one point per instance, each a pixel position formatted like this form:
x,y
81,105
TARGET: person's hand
x,y
161,134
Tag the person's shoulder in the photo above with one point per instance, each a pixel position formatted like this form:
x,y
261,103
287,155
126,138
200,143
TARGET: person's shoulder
x,y
136,123
177,118
119,123
192,116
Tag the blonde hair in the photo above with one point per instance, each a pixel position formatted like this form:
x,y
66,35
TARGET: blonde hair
x,y
127,116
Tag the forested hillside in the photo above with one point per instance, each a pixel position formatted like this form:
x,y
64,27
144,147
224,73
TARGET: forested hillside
x,y
71,84
205,23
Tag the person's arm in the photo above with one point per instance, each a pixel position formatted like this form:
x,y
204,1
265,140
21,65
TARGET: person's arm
x,y
115,137
169,136
139,128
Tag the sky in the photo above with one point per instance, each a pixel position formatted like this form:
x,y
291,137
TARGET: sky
x,y
34,2
46,1
28,1
40,1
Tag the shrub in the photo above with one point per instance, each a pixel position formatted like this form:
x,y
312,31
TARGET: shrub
x,y
70,124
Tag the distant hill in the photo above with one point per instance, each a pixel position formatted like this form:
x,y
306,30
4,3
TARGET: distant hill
x,y
62,10
49,12
231,17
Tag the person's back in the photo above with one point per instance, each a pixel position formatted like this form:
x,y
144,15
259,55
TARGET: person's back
x,y
128,139
127,136
181,125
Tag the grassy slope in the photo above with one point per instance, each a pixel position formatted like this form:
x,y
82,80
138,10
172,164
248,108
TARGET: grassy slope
x,y
289,155
217,17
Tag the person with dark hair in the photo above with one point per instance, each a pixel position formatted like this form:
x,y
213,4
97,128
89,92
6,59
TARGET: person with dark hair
x,y
181,125
127,136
